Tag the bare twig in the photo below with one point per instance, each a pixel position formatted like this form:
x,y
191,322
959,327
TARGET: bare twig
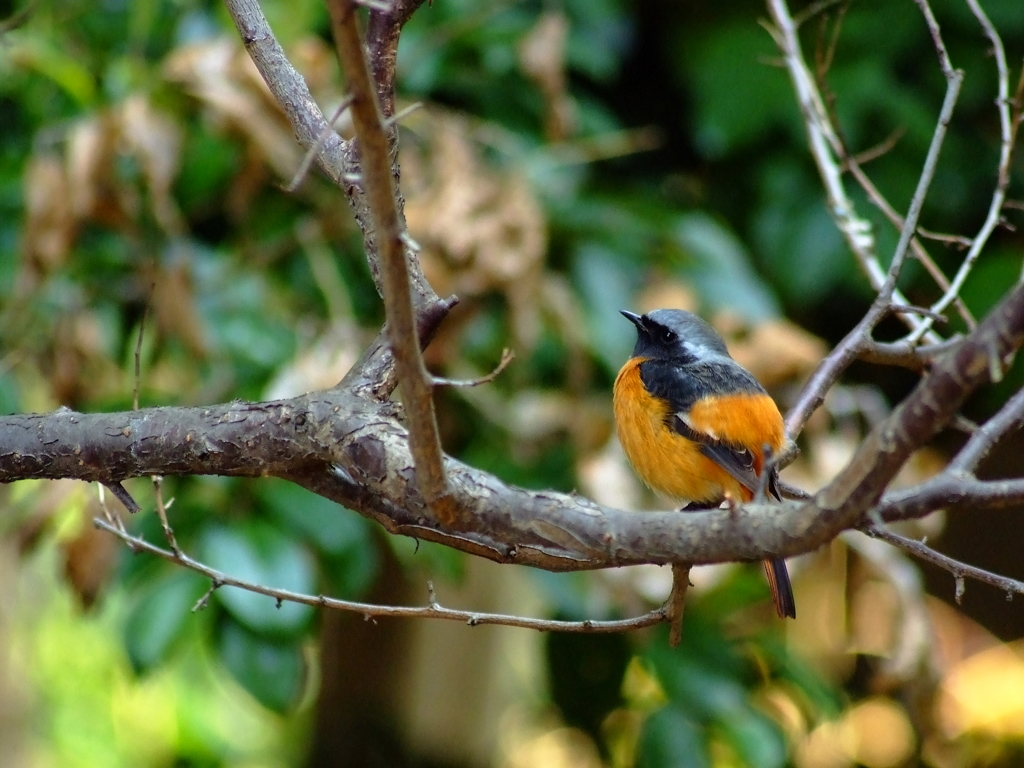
x,y
382,33
873,153
1007,135
954,79
414,382
161,511
959,570
880,202
904,353
507,356
123,496
677,602
111,517
431,611
1009,418
826,148
290,90
900,309
951,492
830,369
316,146
138,350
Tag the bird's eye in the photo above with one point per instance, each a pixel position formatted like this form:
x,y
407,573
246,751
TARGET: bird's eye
x,y
745,456
665,336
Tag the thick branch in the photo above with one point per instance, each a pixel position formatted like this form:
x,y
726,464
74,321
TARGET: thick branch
x,y
929,408
956,493
355,451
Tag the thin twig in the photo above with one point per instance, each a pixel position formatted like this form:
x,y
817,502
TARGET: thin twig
x,y
316,146
161,512
403,113
873,153
431,611
829,370
507,356
138,349
903,353
880,202
959,241
826,147
676,604
413,380
1009,418
954,79
1007,134
959,570
900,309
113,518
123,496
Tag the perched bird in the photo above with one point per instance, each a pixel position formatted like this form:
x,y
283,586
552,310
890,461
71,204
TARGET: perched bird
x,y
694,424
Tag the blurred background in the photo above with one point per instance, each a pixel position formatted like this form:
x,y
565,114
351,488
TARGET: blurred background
x,y
570,159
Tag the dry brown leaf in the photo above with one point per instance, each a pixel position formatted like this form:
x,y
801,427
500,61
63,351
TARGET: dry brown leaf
x,y
90,152
775,351
89,559
221,76
542,58
155,139
481,230
49,219
663,292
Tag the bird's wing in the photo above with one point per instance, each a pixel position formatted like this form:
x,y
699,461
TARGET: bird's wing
x,y
736,460
682,386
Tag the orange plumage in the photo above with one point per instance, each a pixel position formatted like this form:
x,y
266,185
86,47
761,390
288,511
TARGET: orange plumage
x,y
694,424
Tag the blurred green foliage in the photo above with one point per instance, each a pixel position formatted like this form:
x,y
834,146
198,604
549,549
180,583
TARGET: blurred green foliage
x,y
727,203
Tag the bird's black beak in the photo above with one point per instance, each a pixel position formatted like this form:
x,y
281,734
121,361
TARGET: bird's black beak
x,y
634,318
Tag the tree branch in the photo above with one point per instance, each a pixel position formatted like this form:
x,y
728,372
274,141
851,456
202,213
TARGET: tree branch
x,y
826,148
413,380
370,610
959,570
355,452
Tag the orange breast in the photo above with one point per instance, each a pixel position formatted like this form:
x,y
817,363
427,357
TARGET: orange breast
x,y
668,462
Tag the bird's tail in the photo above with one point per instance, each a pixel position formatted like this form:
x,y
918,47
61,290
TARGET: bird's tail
x,y
782,589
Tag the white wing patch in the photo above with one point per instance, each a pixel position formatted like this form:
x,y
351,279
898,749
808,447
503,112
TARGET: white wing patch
x,y
685,418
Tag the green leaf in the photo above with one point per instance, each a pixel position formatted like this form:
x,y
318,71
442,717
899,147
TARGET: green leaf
x,y
271,671
160,616
261,554
327,525
803,251
739,95
55,63
605,282
756,739
345,538
672,739
720,269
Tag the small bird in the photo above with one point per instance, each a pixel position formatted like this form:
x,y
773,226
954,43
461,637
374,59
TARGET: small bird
x,y
694,424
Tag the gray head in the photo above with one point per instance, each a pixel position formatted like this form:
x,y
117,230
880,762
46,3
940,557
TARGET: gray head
x,y
675,334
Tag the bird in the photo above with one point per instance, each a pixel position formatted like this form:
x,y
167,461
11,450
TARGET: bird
x,y
695,425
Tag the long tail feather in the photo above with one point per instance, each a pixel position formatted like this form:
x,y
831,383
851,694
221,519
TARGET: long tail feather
x,y
782,589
